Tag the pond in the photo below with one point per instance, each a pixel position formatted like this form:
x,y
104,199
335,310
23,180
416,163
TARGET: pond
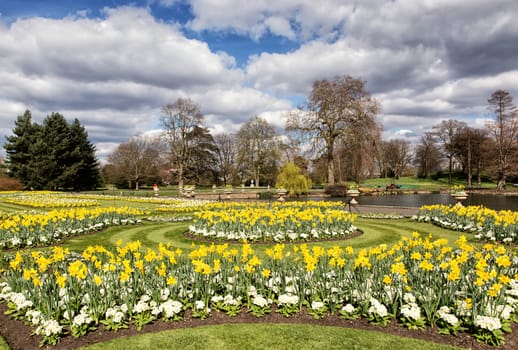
x,y
496,202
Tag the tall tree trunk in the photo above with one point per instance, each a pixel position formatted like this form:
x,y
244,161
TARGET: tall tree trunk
x,y
501,184
330,171
450,170
470,171
180,177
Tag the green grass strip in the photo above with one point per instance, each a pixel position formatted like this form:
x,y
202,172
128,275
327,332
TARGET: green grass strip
x,y
267,336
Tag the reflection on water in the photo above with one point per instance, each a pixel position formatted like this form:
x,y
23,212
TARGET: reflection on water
x,y
417,200
500,202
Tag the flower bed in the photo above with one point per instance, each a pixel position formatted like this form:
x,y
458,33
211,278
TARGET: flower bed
x,y
47,199
293,221
484,223
419,281
40,229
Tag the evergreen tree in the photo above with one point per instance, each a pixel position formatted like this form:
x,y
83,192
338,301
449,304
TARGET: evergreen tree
x,y
18,147
55,155
82,162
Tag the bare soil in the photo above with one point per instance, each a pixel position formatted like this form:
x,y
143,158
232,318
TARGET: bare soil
x,y
19,337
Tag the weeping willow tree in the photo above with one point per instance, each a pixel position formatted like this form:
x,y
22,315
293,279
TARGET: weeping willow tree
x,y
293,180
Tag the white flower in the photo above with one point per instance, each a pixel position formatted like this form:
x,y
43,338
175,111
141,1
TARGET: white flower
x,y
260,301
49,328
216,299
229,300
288,299
316,305
141,307
409,298
35,317
81,319
199,305
348,308
486,322
170,308
411,311
20,301
377,308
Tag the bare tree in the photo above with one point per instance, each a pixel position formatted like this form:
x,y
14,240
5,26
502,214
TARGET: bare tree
x,y
469,147
356,156
336,108
257,149
446,132
427,155
201,167
398,156
178,120
226,156
505,133
135,160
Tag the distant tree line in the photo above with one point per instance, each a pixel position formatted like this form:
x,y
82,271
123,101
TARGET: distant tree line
x,y
55,155
333,139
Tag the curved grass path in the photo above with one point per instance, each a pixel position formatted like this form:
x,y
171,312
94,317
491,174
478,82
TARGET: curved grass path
x,y
266,336
375,232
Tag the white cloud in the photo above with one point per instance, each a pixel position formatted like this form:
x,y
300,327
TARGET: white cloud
x,y
292,19
424,60
114,73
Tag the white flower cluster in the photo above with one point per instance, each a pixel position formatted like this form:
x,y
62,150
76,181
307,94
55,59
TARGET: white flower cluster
x,y
199,305
377,308
317,305
349,308
502,311
35,317
82,318
230,300
487,322
260,301
411,311
445,314
18,299
117,313
171,308
49,328
288,299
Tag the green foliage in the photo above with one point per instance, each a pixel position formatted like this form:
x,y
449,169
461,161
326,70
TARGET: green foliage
x,y
292,179
55,155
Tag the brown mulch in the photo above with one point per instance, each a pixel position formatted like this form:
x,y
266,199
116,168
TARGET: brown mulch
x,y
19,337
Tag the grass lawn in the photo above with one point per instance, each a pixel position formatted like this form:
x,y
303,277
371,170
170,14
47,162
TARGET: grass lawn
x,y
267,336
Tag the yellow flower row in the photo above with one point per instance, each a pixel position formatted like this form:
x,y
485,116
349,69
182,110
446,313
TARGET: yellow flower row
x,y
471,281
45,199
486,223
260,221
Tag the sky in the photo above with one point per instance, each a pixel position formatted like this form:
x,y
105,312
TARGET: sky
x,y
114,64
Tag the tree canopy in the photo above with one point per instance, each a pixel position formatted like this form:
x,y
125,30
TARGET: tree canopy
x,y
54,155
293,180
337,108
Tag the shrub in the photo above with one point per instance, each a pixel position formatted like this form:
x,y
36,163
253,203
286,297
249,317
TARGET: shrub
x,y
336,190
9,184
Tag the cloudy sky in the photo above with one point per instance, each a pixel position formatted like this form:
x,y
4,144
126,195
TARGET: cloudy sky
x,y
113,64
